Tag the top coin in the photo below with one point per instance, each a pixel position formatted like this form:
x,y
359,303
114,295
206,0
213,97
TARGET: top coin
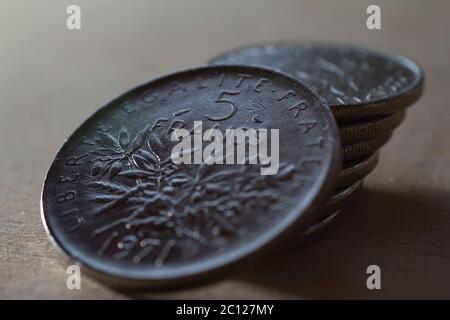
x,y
118,202
356,82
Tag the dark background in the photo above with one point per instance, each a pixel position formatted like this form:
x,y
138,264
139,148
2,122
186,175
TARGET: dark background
x,y
51,79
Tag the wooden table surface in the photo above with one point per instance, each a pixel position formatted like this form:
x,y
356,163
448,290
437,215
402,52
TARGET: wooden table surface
x,y
51,79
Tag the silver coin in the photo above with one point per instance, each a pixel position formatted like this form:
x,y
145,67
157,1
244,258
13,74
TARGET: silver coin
x,y
356,82
354,171
363,149
115,202
370,130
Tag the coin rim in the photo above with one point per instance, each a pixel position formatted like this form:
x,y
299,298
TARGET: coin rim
x,y
361,150
371,130
358,171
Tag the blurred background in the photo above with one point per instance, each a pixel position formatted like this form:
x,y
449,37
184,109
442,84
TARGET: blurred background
x,y
52,78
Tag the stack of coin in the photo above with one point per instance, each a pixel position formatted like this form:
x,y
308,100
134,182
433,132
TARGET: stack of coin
x,y
367,90
116,202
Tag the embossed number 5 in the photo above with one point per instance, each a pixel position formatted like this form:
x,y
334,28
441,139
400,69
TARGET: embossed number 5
x,y
222,99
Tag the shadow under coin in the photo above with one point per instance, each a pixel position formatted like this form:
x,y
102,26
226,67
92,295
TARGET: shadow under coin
x,y
406,235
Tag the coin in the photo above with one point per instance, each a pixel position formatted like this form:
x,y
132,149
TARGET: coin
x,y
356,82
363,149
319,230
313,233
371,129
327,220
339,198
324,223
354,171
115,202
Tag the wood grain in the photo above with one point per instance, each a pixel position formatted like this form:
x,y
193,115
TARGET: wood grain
x,y
51,79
